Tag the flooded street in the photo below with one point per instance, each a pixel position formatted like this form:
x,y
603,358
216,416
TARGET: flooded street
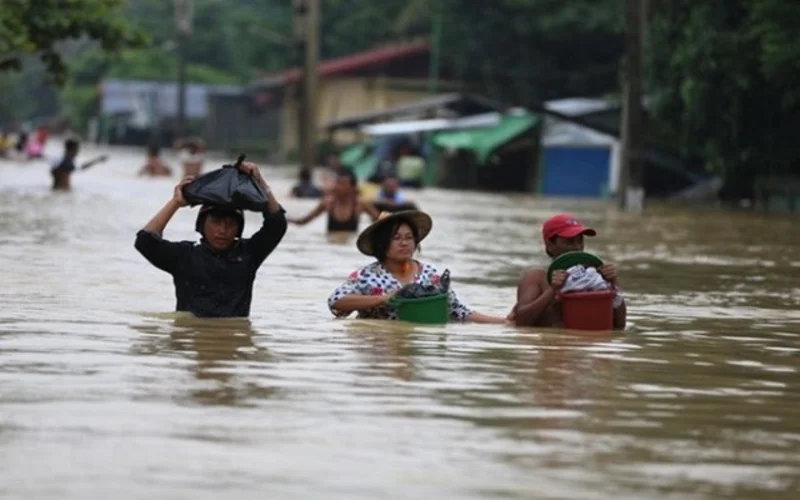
x,y
104,392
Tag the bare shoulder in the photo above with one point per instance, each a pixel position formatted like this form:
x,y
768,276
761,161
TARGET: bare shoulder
x,y
533,275
531,284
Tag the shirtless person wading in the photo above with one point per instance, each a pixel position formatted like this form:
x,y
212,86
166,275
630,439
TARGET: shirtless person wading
x,y
536,299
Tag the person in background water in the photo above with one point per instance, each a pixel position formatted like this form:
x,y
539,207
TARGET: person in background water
x,y
192,155
62,172
393,240
536,298
390,198
6,143
409,167
335,168
35,148
343,206
213,278
305,187
154,166
22,139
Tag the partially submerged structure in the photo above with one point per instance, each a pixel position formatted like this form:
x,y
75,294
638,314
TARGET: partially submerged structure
x,y
466,141
569,147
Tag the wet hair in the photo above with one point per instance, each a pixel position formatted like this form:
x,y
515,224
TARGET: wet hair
x,y
305,174
71,145
382,236
347,173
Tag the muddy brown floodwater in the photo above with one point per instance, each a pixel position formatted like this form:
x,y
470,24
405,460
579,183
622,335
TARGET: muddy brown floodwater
x,y
104,393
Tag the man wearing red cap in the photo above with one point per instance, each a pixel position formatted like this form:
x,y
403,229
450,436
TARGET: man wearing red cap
x,y
215,277
536,298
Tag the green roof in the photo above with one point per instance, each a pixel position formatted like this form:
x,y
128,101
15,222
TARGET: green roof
x,y
360,159
354,153
484,141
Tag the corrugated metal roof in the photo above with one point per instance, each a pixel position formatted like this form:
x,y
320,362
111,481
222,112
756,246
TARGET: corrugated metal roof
x,y
415,126
558,132
353,62
577,106
451,105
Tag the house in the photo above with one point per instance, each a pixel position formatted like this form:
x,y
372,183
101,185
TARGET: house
x,y
365,82
500,156
581,153
467,141
130,110
412,123
448,106
577,160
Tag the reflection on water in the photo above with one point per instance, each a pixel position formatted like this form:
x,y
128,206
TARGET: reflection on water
x,y
219,348
387,348
104,391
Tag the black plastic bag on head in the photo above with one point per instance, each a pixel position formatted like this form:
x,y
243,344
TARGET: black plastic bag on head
x,y
226,187
418,291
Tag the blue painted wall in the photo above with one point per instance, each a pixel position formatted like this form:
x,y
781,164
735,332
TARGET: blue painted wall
x,y
576,171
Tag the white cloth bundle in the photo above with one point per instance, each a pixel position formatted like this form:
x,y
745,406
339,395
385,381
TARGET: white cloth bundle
x,y
588,279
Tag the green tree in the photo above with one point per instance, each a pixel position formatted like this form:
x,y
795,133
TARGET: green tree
x,y
723,80
36,28
526,51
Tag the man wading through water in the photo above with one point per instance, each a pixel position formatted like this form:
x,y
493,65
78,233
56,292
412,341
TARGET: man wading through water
x,y
214,278
536,298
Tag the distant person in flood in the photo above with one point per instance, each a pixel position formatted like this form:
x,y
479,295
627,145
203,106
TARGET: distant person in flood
x,y
62,171
343,206
22,140
536,298
305,187
334,168
154,166
192,155
34,148
213,278
6,144
390,199
409,167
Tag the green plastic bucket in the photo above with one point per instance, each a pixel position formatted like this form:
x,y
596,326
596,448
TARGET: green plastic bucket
x,y
427,310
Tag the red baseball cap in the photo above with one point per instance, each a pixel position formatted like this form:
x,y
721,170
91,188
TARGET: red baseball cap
x,y
566,226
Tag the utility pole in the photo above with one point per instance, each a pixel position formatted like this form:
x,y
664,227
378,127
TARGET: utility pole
x,y
307,20
631,189
436,47
183,24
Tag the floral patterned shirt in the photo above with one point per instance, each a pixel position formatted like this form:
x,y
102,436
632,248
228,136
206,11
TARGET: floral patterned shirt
x,y
374,279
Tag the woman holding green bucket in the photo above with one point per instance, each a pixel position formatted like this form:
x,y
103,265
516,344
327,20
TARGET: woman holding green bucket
x,y
392,240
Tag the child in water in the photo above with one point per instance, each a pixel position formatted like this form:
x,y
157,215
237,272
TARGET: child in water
x,y
63,170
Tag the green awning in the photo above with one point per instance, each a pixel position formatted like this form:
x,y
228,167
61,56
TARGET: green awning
x,y
360,159
354,153
484,141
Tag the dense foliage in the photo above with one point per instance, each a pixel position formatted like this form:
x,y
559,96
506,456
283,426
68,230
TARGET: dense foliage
x,y
724,78
722,74
28,27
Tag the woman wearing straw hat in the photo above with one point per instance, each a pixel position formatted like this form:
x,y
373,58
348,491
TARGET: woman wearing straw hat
x,y
392,240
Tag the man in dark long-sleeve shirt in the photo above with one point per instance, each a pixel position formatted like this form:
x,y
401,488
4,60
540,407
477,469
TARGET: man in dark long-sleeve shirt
x,y
213,278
